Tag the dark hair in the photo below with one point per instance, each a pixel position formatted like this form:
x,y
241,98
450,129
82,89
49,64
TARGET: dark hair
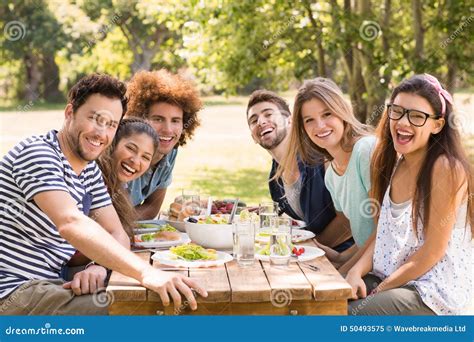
x,y
149,87
97,84
446,143
263,95
119,195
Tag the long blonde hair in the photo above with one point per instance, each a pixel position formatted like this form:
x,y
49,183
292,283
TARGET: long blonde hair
x,y
300,145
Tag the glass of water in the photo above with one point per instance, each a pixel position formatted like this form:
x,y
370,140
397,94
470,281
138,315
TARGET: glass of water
x,y
244,242
191,203
267,213
280,242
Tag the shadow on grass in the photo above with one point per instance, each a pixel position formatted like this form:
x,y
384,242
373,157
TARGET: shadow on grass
x,y
250,185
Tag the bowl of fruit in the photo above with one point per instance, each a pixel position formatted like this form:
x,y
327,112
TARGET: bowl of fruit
x,y
210,231
225,206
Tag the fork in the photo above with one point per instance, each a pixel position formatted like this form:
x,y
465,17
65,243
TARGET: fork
x,y
311,267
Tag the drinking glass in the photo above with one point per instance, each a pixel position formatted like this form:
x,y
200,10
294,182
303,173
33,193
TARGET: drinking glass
x,y
244,242
191,202
280,242
268,212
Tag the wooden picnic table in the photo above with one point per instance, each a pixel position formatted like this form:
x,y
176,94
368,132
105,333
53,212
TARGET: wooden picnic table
x,y
234,290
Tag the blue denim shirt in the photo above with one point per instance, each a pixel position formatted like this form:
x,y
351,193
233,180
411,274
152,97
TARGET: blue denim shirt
x,y
155,178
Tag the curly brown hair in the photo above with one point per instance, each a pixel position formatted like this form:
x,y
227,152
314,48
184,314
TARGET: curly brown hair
x,y
149,87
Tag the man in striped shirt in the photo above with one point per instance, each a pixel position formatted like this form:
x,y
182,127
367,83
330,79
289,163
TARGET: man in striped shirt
x,y
50,186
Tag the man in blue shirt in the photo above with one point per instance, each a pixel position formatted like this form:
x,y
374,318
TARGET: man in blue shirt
x,y
170,103
306,198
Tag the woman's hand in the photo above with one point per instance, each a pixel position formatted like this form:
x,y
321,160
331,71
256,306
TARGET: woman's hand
x,y
359,290
333,255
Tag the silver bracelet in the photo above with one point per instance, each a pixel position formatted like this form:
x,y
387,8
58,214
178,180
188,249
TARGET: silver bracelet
x,y
90,264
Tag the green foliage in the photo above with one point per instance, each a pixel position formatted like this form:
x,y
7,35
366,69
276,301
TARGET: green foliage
x,y
237,46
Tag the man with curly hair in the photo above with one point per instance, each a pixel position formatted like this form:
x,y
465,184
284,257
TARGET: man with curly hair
x,y
171,104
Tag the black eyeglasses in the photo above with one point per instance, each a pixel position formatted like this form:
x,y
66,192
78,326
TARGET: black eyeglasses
x,y
415,117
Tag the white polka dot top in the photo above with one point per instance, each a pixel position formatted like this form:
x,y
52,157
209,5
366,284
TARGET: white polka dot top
x,y
447,287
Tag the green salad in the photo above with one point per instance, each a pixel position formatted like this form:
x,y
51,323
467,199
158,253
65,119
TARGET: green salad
x,y
281,249
192,252
162,228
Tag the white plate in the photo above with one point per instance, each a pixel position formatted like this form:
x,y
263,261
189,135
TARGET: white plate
x,y
157,223
310,253
166,258
297,224
298,235
164,243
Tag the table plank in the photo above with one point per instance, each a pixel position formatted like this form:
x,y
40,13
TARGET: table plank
x,y
215,281
287,284
119,279
152,296
118,293
248,284
327,282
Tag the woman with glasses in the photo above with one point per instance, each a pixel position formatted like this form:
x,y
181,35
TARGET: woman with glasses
x,y
420,261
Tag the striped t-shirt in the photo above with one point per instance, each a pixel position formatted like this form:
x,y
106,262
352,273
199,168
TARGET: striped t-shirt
x,y
30,245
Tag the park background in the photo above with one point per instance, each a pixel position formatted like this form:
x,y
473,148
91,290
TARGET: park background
x,y
230,48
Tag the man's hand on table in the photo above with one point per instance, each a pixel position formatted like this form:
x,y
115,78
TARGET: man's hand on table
x,y
87,281
168,284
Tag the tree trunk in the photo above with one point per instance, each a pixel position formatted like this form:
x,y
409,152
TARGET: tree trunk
x,y
142,61
33,76
356,91
419,34
371,74
51,90
319,40
451,77
351,64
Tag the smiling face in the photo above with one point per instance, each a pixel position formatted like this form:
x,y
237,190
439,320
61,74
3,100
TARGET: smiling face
x,y
167,120
132,156
324,128
268,125
91,129
407,138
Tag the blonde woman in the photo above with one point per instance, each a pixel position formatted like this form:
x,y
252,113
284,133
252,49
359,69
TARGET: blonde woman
x,y
325,129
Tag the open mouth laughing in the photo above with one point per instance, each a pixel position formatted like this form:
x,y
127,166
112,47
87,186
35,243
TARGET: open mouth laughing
x,y
95,143
127,169
404,137
266,131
